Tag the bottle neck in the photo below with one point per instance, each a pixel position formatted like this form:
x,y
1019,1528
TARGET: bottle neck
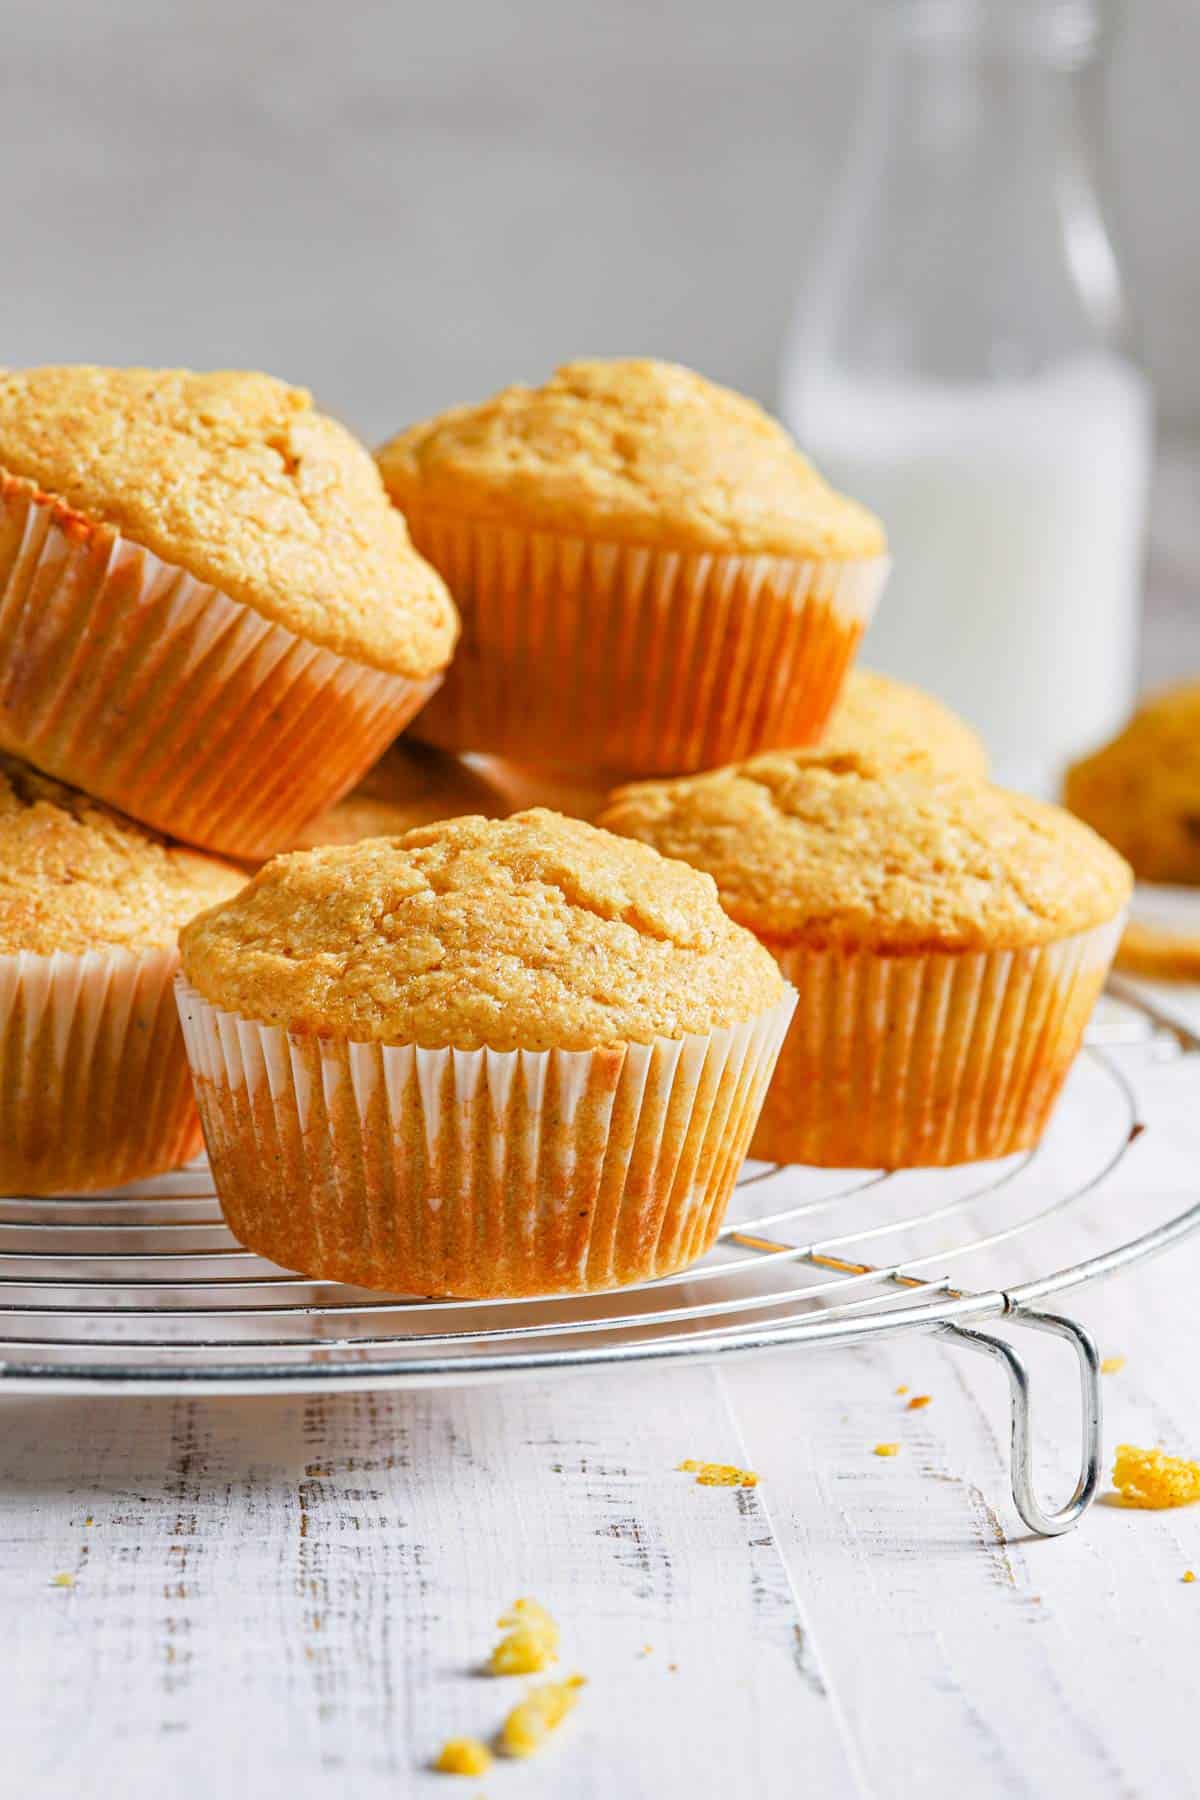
x,y
974,195
1062,34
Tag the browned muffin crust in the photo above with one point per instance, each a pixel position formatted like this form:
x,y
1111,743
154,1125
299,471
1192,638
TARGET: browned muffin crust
x,y
533,932
847,847
234,477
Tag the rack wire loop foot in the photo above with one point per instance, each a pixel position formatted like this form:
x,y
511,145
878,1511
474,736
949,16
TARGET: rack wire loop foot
x,y
1030,1508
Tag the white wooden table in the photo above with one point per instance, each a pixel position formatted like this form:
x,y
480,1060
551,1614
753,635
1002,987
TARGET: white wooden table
x,y
290,1598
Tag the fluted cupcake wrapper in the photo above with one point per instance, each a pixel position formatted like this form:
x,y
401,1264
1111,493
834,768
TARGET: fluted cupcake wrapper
x,y
125,676
906,1060
94,1082
476,1172
641,661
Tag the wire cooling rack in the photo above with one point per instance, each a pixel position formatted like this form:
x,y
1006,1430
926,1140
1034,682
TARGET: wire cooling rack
x,y
145,1291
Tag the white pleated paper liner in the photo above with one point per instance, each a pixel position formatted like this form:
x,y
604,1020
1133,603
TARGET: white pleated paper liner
x,y
633,659
127,677
95,1088
476,1172
911,1059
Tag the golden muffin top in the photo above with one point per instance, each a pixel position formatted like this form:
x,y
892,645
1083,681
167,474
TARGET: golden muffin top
x,y
877,713
411,784
645,452
850,847
76,876
1142,790
235,478
533,932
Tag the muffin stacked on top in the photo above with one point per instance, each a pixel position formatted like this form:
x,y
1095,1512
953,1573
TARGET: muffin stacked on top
x,y
212,617
652,578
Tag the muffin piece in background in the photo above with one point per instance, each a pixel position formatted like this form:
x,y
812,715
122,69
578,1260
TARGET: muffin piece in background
x,y
1142,793
947,939
490,1058
652,578
94,1082
214,619
877,713
1142,790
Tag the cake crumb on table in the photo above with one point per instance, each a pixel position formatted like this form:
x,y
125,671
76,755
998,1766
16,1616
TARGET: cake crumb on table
x,y
542,1711
1112,1365
918,1401
887,1450
1154,1480
529,1645
463,1756
710,1474
903,1388
62,1580
1189,1575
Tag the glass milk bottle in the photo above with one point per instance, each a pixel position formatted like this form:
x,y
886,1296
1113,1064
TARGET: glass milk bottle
x,y
960,362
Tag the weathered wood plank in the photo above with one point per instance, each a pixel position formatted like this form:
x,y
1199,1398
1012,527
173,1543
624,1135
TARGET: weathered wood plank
x,y
293,1598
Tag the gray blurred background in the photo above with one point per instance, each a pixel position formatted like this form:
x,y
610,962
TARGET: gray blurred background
x,y
407,205
403,206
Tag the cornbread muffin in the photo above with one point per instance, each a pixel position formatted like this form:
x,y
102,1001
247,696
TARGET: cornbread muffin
x,y
488,1057
94,1083
877,713
1142,791
948,941
411,784
246,593
652,577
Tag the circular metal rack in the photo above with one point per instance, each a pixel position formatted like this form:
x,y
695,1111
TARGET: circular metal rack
x,y
145,1291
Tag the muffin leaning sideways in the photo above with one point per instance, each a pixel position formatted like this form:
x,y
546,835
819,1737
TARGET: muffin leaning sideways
x,y
947,939
94,1082
652,578
487,1058
213,617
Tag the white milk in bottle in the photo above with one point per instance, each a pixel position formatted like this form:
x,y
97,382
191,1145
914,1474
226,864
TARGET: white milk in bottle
x,y
960,363
1014,513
